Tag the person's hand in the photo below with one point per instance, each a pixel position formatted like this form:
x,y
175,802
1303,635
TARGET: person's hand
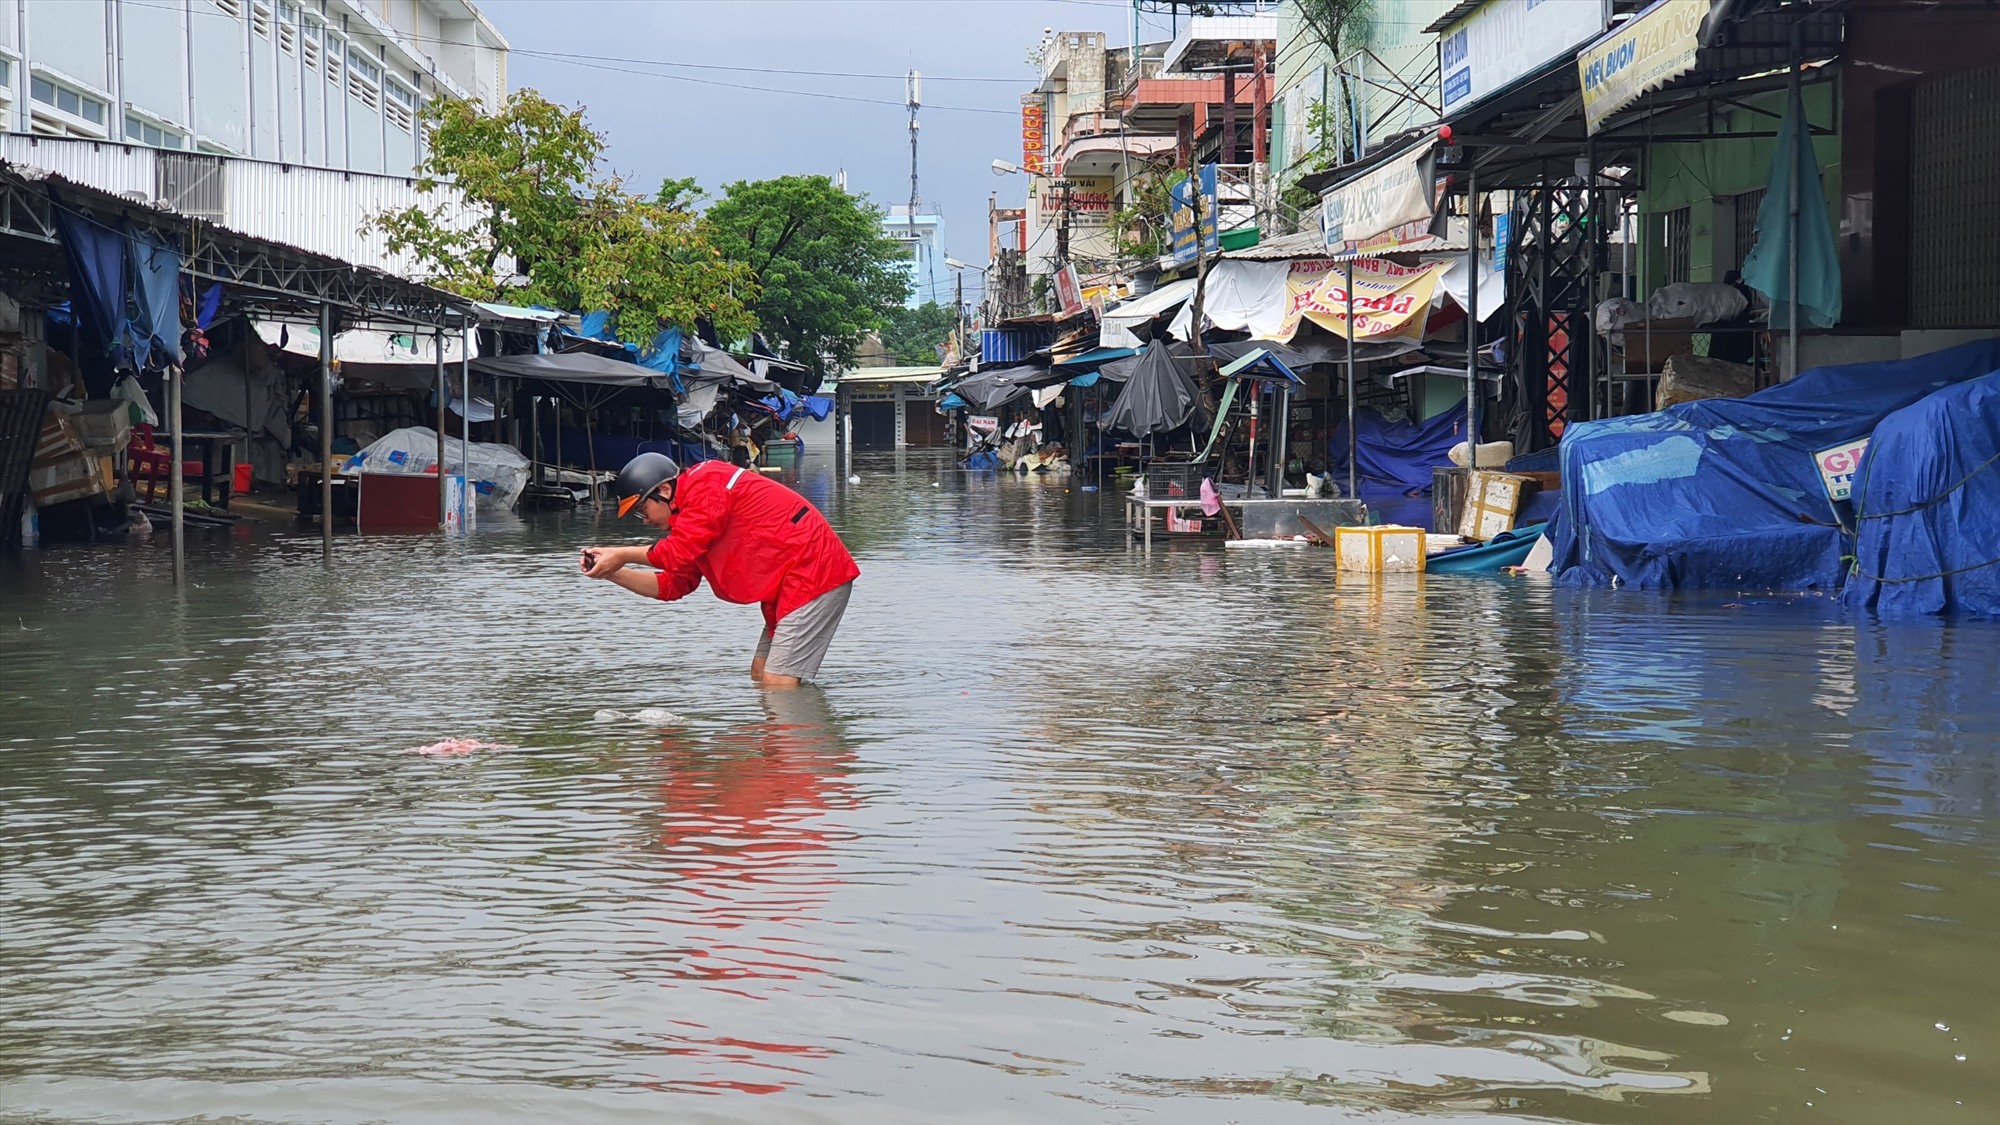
x,y
602,562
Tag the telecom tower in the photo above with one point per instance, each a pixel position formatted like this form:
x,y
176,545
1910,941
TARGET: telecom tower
x,y
925,264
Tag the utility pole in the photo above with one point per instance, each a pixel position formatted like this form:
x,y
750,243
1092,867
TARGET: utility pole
x,y
914,90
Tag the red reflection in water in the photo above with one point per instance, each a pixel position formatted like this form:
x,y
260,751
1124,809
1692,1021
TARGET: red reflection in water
x,y
744,837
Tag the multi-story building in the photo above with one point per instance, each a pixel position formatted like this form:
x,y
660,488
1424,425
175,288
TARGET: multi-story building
x,y
326,83
922,236
1115,119
1328,110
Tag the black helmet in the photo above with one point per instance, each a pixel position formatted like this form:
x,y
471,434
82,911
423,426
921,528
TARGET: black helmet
x,y
640,476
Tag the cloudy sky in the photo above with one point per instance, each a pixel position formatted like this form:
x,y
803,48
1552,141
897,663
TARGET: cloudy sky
x,y
648,77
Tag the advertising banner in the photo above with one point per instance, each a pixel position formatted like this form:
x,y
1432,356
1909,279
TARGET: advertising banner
x,y
1391,302
1400,192
1503,41
1180,221
1838,465
1653,48
1034,137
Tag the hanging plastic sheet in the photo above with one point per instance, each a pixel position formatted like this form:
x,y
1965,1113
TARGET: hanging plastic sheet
x,y
98,285
1726,492
156,300
1399,454
1768,267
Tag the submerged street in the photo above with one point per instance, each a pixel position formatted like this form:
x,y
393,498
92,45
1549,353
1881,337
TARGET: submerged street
x,y
1067,833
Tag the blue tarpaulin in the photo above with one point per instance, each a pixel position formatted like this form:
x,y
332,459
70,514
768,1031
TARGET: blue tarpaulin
x,y
1725,492
156,300
1398,454
1927,507
662,355
98,283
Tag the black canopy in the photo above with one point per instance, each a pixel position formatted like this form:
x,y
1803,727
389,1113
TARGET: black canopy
x,y
569,367
991,390
1158,396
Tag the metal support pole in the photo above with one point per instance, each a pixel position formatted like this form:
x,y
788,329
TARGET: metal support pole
x,y
1799,134
464,425
1471,312
1353,445
176,488
325,434
444,501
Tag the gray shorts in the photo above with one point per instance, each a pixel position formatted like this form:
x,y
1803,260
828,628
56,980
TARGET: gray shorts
x,y
802,636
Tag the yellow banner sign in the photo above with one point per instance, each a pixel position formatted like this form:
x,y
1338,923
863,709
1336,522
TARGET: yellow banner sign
x,y
1653,48
1391,302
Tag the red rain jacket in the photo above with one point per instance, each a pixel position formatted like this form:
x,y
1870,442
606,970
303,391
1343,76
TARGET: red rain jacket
x,y
753,539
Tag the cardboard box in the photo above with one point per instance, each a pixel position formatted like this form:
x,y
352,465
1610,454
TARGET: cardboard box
x,y
1387,549
1491,501
74,476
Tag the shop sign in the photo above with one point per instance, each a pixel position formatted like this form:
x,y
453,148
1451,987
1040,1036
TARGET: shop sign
x,y
1391,302
1402,191
1085,199
1180,220
1838,465
1653,48
985,425
1068,294
1503,41
1034,137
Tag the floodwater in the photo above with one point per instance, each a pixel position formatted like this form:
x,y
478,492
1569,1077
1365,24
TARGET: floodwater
x,y
1067,834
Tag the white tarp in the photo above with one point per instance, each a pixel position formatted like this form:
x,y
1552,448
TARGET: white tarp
x,y
1117,324
499,472
1239,295
366,345
1401,192
1492,285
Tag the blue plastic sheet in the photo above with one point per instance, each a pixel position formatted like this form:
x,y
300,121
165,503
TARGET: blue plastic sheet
x,y
98,282
1725,492
1398,454
156,300
1927,508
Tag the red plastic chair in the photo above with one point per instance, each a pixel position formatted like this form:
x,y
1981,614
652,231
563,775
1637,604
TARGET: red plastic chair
x,y
153,464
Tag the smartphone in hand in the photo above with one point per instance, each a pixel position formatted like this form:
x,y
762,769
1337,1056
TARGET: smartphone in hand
x,y
589,560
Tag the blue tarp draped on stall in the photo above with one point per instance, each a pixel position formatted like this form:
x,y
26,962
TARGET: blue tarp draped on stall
x,y
156,300
1398,454
1725,492
819,406
662,355
1927,507
98,283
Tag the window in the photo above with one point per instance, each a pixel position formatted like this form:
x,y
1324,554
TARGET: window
x,y
309,48
401,108
67,99
334,47
363,79
140,131
358,63
231,8
260,21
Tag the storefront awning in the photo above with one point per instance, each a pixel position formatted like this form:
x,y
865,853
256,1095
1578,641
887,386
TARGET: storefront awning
x,y
1648,51
1117,324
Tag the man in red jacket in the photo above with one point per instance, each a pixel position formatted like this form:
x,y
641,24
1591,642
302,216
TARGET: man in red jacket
x,y
753,539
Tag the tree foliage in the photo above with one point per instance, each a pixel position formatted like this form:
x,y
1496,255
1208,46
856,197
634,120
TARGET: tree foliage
x,y
1141,226
529,176
825,274
913,335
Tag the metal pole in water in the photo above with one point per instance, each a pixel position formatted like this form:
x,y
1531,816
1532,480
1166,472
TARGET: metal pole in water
x,y
1471,312
325,434
444,502
176,488
1800,135
464,423
1353,445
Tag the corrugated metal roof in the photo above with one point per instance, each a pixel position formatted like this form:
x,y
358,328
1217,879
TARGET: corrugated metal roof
x,y
890,375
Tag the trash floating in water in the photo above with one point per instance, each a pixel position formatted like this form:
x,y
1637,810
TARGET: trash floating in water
x,y
854,480
1699,1019
656,716
457,748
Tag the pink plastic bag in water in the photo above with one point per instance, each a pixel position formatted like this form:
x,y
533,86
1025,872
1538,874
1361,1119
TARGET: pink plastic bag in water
x,y
1211,503
456,747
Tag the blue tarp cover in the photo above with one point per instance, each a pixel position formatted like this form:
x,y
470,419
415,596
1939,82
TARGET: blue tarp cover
x,y
1927,507
1724,492
1397,454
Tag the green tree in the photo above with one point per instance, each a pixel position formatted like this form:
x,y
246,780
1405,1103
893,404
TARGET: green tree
x,y
534,197
913,335
826,274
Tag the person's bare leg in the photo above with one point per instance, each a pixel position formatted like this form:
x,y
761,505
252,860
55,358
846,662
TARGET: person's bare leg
x,y
757,670
778,683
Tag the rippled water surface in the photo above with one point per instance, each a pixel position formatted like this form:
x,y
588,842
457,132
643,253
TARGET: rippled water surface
x,y
1067,834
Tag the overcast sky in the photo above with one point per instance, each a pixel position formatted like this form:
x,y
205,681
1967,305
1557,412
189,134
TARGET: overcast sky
x,y
606,56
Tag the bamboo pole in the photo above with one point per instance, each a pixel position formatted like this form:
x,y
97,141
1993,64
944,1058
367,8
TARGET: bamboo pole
x,y
325,434
176,487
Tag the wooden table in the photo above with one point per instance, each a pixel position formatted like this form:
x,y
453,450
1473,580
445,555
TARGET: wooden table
x,y
207,441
